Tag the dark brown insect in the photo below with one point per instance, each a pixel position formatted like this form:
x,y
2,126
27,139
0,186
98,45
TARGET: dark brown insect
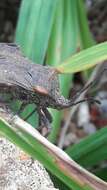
x,y
30,83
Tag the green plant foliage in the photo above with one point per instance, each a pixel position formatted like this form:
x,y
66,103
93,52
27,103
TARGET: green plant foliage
x,y
62,44
86,39
84,60
102,173
34,27
91,150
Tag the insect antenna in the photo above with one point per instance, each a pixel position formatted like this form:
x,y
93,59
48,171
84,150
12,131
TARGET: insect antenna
x,y
74,100
89,85
90,99
30,114
65,103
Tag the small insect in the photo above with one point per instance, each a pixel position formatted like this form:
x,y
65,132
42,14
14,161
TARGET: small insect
x,y
31,83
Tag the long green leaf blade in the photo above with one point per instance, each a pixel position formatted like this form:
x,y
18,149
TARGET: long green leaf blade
x,y
84,60
91,150
25,9
84,31
62,44
34,39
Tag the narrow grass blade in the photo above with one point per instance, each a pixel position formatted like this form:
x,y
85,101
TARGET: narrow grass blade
x,y
84,60
53,58
23,18
86,38
102,173
91,150
37,29
62,44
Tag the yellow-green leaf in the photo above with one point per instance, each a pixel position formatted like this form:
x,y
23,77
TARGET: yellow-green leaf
x,y
84,60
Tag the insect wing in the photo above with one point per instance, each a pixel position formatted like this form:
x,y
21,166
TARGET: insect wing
x,y
14,75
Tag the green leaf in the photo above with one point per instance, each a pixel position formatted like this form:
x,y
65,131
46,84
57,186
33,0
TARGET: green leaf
x,y
85,36
91,150
55,160
62,44
36,29
84,60
23,18
84,31
102,173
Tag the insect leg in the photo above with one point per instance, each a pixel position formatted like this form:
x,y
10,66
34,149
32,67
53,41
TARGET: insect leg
x,y
90,85
30,114
43,120
22,107
92,100
48,115
78,93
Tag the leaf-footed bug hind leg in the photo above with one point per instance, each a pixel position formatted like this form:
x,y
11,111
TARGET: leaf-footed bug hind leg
x,y
44,121
47,114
